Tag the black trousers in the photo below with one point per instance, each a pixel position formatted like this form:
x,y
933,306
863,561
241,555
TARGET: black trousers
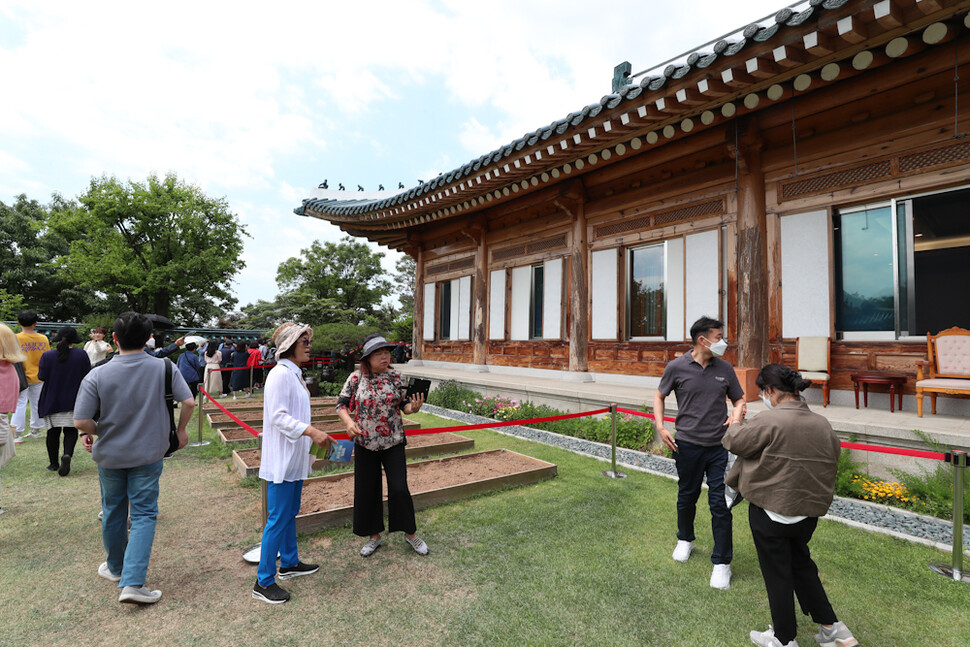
x,y
368,499
787,568
54,443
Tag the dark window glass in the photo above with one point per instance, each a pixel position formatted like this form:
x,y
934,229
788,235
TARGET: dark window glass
x,y
444,325
865,281
646,292
535,310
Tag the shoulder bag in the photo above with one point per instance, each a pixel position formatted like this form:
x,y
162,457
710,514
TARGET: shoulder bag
x,y
173,437
21,375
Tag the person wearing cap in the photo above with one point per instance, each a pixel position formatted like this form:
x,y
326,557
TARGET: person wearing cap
x,y
375,395
61,371
285,461
163,352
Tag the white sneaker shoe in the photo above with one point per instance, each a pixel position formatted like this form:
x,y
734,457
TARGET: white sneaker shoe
x,y
139,595
368,549
106,573
838,636
683,550
768,639
418,545
721,577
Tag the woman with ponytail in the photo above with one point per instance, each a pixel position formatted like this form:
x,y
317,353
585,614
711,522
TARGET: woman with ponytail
x,y
61,370
787,460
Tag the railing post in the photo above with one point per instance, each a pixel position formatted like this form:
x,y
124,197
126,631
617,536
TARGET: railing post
x,y
200,442
955,571
612,473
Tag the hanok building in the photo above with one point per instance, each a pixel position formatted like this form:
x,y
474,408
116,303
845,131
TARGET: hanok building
x,y
809,176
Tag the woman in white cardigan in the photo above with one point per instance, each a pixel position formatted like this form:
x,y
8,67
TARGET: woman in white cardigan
x,y
285,461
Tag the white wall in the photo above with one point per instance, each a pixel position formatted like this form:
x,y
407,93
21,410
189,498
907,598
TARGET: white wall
x,y
703,280
429,311
674,289
496,305
464,309
521,290
552,299
603,290
805,298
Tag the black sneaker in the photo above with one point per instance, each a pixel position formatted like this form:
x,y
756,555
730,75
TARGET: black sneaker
x,y
273,594
297,571
65,467
52,468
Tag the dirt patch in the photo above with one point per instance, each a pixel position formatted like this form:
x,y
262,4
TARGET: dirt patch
x,y
238,433
252,457
328,494
258,415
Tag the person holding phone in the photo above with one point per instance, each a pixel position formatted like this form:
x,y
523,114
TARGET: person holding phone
x,y
370,405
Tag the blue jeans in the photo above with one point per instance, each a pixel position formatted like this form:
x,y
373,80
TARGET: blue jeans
x,y
279,533
693,463
137,488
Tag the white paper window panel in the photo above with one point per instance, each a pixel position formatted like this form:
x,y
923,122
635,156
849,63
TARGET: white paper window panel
x,y
605,306
496,305
455,303
805,298
429,318
674,278
703,277
521,292
464,308
552,299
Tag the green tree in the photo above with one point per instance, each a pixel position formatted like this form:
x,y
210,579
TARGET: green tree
x,y
28,266
404,283
162,246
346,274
10,305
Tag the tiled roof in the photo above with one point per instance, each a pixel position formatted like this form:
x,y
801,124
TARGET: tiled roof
x,y
756,57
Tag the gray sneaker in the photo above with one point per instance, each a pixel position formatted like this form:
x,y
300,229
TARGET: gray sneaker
x,y
368,549
418,545
139,595
106,573
837,636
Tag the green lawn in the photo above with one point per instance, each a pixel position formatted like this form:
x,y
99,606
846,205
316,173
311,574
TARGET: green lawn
x,y
576,560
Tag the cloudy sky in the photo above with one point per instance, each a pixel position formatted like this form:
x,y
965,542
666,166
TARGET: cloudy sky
x,y
260,102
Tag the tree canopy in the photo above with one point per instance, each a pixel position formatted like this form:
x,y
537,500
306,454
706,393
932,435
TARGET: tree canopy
x,y
159,246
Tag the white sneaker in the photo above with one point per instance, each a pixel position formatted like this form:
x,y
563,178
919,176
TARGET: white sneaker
x,y
418,545
683,550
106,573
721,577
368,549
139,595
768,639
838,636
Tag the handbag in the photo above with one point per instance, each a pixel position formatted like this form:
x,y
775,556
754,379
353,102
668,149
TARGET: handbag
x,y
173,437
21,375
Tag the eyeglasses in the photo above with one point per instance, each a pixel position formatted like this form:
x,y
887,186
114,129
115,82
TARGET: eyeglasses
x,y
303,342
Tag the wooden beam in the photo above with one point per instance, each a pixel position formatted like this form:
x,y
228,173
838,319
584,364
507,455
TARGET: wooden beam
x,y
929,6
480,313
761,68
888,14
818,44
712,87
579,294
736,77
852,30
788,56
752,313
417,330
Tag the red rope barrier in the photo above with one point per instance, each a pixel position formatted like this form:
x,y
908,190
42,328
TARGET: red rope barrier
x,y
508,423
915,453
643,414
228,413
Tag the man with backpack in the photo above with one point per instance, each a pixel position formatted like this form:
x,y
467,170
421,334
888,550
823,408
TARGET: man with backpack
x,y
123,403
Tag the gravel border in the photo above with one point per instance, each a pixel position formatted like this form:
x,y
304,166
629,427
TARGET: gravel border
x,y
880,519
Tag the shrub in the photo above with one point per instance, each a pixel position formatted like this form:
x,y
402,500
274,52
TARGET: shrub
x,y
934,489
450,395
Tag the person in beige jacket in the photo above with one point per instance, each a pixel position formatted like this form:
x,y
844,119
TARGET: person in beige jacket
x,y
787,460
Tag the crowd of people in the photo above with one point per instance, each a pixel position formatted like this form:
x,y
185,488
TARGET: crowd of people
x,y
123,395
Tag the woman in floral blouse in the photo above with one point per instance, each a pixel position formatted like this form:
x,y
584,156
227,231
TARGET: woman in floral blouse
x,y
370,405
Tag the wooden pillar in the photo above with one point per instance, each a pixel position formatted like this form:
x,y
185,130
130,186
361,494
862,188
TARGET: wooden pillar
x,y
752,271
579,292
480,314
418,330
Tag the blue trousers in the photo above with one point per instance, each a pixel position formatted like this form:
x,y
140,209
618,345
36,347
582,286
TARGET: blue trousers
x,y
693,463
279,534
137,488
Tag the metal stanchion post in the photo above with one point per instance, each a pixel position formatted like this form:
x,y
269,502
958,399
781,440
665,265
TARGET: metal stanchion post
x,y
959,460
199,442
612,473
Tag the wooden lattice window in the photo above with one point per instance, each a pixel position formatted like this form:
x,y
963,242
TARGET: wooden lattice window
x,y
687,212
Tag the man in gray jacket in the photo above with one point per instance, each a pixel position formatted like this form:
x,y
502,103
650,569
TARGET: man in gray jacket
x,y
123,404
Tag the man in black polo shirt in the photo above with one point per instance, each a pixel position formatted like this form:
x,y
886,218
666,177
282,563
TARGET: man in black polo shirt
x,y
701,380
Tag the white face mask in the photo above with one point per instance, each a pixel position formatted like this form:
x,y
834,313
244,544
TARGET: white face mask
x,y
718,347
767,401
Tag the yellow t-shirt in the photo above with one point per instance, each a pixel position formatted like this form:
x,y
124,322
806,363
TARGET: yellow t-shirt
x,y
34,345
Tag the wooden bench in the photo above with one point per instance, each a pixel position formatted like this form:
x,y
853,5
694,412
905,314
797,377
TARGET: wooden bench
x,y
947,367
